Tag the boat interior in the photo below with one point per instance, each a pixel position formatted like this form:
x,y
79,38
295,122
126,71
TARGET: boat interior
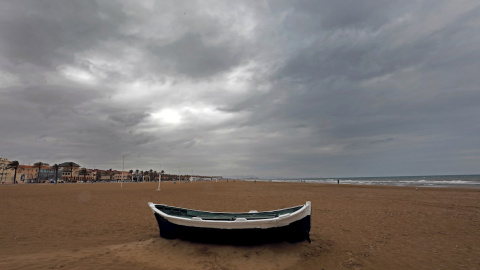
x,y
252,215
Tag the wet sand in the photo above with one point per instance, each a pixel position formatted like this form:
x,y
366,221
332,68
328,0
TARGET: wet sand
x,y
105,226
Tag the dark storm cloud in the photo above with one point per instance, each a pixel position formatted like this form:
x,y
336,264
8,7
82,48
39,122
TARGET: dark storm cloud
x,y
46,33
128,119
192,57
329,86
305,88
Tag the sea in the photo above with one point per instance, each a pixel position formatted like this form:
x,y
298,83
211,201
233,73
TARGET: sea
x,y
464,181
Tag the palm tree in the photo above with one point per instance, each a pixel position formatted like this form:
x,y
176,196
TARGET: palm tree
x,y
110,174
83,171
131,174
136,175
56,167
13,166
71,165
39,166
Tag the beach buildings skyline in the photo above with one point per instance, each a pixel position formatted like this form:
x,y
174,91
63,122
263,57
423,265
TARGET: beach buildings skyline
x,y
72,172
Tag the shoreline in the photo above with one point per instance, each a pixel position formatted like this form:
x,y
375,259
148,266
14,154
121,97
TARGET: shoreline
x,y
353,226
461,187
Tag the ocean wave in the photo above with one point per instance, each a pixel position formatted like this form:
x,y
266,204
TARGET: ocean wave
x,y
424,181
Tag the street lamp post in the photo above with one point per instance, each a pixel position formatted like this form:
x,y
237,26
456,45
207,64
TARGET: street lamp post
x,y
123,168
159,177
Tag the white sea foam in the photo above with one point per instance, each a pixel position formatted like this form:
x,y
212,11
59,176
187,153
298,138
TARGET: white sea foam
x,y
425,181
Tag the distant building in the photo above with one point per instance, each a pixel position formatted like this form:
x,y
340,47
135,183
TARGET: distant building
x,y
6,176
194,179
118,176
205,178
29,174
26,173
70,171
48,173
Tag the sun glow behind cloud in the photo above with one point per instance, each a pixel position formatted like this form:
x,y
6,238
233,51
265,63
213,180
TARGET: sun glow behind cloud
x,y
198,115
167,116
77,75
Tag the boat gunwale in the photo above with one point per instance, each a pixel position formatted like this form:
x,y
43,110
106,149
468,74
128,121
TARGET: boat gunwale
x,y
281,220
233,213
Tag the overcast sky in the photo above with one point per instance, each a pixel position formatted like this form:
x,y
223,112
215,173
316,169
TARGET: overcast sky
x,y
266,88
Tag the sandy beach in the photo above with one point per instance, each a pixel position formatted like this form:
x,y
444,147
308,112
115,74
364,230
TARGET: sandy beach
x,y
105,226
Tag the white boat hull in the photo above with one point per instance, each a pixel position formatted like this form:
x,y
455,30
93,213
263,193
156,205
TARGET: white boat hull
x,y
292,227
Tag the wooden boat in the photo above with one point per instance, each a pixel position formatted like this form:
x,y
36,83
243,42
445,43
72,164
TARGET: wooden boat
x,y
289,224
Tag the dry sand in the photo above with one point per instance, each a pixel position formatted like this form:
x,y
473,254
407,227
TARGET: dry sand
x,y
104,226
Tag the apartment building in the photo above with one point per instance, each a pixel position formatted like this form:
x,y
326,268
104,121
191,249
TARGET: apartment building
x,y
6,176
70,171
